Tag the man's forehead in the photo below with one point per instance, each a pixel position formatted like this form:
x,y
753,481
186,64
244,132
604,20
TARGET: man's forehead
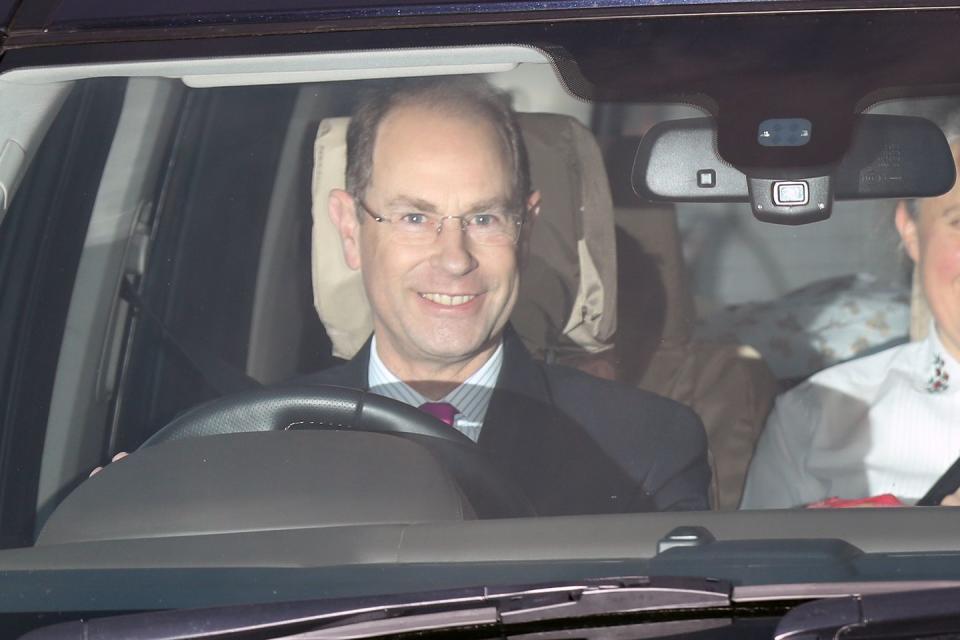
x,y
409,126
418,150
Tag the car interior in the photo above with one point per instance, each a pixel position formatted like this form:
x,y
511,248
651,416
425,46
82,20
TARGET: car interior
x,y
210,268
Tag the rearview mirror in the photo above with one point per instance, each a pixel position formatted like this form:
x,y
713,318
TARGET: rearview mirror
x,y
889,157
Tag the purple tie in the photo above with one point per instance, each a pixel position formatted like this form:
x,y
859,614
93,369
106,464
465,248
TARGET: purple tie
x,y
442,411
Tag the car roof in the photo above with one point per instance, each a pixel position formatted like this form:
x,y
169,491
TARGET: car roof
x,y
37,21
81,14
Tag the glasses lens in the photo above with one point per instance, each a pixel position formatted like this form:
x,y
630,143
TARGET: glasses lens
x,y
415,228
493,228
481,228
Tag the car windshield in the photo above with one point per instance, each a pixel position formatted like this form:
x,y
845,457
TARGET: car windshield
x,y
482,298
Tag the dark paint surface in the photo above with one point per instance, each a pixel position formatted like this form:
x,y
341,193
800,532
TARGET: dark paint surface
x,y
78,14
6,11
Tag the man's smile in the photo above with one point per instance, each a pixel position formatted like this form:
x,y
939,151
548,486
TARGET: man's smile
x,y
448,300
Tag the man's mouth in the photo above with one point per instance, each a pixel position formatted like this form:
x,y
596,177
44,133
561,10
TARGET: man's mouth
x,y
448,300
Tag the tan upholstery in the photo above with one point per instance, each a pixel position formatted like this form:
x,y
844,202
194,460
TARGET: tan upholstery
x,y
337,290
728,385
567,300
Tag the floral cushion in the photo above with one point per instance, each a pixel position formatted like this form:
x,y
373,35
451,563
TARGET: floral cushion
x,y
818,325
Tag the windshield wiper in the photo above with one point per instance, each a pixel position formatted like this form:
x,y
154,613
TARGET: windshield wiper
x,y
922,613
446,610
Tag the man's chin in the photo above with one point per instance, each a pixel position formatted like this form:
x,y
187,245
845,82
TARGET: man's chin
x,y
443,347
453,352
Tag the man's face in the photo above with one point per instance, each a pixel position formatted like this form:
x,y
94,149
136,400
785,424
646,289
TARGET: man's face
x,y
447,301
933,241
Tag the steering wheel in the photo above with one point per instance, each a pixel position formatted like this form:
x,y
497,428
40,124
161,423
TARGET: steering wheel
x,y
489,491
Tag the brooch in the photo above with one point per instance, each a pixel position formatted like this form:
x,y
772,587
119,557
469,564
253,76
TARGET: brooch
x,y
940,380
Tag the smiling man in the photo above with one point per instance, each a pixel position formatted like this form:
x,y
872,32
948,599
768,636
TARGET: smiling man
x,y
436,215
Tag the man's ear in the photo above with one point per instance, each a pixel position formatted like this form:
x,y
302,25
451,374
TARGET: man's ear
x,y
343,213
533,212
907,227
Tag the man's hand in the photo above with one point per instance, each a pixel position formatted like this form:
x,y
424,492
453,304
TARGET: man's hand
x,y
952,500
119,456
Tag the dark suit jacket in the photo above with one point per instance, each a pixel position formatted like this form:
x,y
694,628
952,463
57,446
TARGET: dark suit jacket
x,y
577,444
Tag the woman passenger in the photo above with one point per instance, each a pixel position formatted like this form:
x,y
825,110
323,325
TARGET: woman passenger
x,y
887,423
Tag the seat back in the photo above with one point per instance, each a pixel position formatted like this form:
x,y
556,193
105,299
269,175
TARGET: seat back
x,y
726,383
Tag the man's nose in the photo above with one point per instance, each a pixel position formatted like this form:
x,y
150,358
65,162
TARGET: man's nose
x,y
453,253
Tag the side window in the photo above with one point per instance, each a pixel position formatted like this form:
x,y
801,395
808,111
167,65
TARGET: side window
x,y
197,293
41,240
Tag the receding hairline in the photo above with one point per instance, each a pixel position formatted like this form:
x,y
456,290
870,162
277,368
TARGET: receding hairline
x,y
467,97
452,109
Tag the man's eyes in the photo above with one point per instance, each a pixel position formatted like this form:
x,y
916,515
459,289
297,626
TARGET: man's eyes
x,y
477,219
415,219
487,220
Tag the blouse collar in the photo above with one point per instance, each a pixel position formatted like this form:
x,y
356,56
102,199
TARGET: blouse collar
x,y
940,371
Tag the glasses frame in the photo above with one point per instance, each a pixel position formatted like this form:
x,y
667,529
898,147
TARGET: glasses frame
x,y
520,219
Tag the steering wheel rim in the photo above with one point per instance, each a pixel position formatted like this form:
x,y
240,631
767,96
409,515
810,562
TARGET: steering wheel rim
x,y
489,491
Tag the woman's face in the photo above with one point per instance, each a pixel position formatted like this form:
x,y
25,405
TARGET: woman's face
x,y
932,238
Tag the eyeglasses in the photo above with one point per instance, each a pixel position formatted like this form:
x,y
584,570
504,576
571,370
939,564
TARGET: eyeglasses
x,y
486,228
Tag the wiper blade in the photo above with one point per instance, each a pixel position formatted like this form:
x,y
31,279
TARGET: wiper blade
x,y
915,613
618,595
461,608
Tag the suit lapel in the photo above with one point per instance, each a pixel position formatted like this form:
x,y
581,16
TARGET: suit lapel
x,y
353,373
550,456
520,396
356,370
558,464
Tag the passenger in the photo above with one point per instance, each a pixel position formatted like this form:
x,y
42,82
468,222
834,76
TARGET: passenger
x,y
436,215
888,423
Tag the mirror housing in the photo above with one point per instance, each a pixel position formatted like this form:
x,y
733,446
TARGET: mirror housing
x,y
889,157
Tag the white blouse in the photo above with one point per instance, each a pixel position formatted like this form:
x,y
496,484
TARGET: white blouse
x,y
887,423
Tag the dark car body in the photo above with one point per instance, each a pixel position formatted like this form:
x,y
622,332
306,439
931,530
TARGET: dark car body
x,y
829,60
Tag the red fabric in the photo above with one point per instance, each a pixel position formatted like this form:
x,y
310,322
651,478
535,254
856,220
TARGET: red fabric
x,y
883,500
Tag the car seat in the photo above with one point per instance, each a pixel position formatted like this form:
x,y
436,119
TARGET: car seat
x,y
727,383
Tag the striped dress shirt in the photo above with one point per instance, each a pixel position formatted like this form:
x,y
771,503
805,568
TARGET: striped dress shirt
x,y
470,398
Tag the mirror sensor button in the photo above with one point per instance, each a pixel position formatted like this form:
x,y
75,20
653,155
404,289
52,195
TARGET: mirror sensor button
x,y
790,194
706,178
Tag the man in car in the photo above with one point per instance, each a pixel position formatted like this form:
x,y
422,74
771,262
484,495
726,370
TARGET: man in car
x,y
436,215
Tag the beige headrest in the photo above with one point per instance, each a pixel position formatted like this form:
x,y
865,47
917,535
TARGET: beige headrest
x,y
568,292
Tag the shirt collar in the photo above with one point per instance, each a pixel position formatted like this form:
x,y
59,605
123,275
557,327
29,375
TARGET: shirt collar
x,y
472,398
940,370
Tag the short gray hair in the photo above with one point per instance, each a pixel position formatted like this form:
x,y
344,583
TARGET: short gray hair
x,y
461,94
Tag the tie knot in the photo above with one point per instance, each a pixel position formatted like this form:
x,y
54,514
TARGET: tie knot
x,y
442,411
